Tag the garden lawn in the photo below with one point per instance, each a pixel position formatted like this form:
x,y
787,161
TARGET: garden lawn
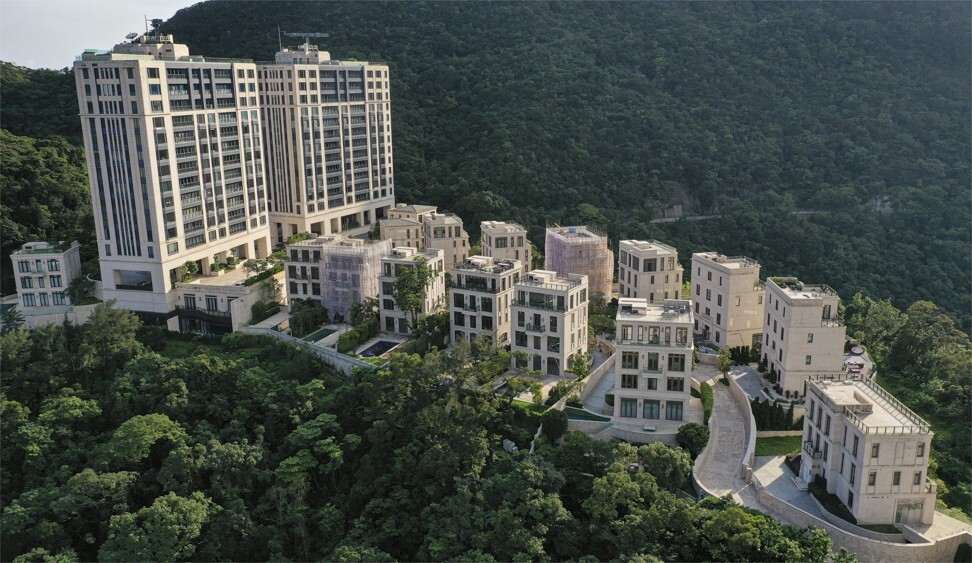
x,y
778,445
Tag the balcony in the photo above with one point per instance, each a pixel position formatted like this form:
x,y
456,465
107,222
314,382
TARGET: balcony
x,y
657,370
217,317
808,448
834,321
538,305
471,308
656,342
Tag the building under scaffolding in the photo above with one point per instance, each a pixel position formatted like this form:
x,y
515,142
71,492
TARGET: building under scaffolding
x,y
339,271
581,250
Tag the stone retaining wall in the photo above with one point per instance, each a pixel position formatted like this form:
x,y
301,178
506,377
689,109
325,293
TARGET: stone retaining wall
x,y
749,457
865,548
341,362
775,433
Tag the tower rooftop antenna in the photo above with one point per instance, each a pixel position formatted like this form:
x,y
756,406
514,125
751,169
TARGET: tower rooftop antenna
x,y
306,35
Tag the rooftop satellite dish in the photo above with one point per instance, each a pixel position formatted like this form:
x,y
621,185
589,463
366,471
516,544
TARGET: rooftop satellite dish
x,y
132,35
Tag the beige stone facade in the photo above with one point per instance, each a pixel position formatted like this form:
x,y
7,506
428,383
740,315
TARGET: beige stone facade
x,y
728,299
653,362
444,231
803,334
392,319
648,269
506,240
404,225
872,450
42,272
549,316
480,298
328,132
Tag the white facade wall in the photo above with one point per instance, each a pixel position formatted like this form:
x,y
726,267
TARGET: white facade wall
x,y
728,296
649,270
480,299
392,319
872,450
42,272
403,225
803,333
653,362
506,241
549,317
174,156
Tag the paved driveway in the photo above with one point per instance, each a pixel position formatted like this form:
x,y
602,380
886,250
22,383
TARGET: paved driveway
x,y
722,473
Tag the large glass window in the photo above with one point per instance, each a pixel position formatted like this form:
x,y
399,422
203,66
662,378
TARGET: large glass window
x,y
629,381
676,384
629,360
652,409
676,362
26,282
651,362
629,408
673,410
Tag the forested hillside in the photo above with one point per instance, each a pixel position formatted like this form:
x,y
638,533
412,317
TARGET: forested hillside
x,y
250,450
602,112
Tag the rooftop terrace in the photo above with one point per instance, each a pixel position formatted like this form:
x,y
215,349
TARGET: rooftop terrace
x,y
868,406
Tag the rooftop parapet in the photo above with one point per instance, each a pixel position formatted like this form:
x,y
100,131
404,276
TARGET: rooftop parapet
x,y
547,279
867,405
43,247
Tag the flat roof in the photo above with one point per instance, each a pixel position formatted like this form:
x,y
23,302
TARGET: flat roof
x,y
646,245
576,232
416,208
726,262
486,265
398,222
797,290
871,406
669,311
547,279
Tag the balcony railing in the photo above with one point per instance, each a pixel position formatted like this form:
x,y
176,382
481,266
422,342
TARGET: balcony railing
x,y
538,305
222,317
835,320
530,327
656,342
471,308
808,448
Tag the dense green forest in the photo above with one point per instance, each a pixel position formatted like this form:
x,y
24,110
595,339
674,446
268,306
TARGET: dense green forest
x,y
603,113
121,445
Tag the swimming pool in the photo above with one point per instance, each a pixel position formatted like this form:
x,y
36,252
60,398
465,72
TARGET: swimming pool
x,y
379,348
319,335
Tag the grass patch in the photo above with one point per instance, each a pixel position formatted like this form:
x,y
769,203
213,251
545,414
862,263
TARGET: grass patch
x,y
778,445
708,400
880,528
373,361
530,407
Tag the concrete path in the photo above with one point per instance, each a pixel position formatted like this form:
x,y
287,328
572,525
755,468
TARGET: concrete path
x,y
722,473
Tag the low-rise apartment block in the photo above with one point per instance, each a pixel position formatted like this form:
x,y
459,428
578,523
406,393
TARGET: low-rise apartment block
x,y
728,296
582,250
215,305
550,319
871,449
506,240
803,333
481,295
444,231
335,271
648,269
652,373
392,318
404,225
43,271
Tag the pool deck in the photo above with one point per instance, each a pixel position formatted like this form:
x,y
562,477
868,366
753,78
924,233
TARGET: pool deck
x,y
382,336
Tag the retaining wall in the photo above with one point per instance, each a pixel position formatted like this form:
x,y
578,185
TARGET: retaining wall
x,y
749,456
865,548
605,369
775,433
340,362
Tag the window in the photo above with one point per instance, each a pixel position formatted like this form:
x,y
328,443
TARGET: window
x,y
58,297
875,449
719,300
651,384
853,474
676,362
826,450
718,319
629,360
676,384
809,337
917,479
809,359
896,479
629,408
54,265
652,409
698,289
651,362
55,281
152,73
708,295
872,478
30,300
23,266
673,410
759,300
854,449
629,381
738,301
43,300
921,450
155,89
26,282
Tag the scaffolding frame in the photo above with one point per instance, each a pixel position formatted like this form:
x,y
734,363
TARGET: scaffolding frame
x,y
581,250
350,270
